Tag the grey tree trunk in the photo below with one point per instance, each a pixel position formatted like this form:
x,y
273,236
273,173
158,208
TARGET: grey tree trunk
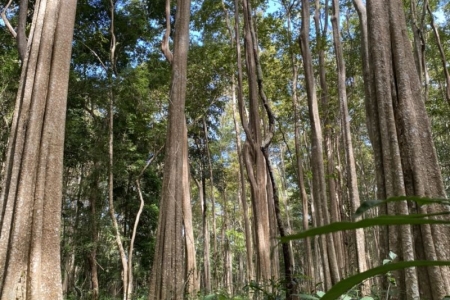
x,y
408,160
30,203
92,256
352,180
328,121
172,267
317,164
240,148
253,156
243,195
309,266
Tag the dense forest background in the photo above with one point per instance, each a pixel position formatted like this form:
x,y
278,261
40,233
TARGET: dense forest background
x,y
116,134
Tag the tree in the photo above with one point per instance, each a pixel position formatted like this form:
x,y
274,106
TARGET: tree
x,y
345,119
171,268
406,158
319,186
30,203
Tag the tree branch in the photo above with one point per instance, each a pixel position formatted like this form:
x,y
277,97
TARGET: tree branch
x,y
165,41
5,19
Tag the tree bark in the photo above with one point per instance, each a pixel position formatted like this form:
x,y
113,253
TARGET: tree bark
x,y
243,194
352,181
409,161
94,193
215,254
336,253
317,164
170,267
240,148
30,203
309,266
112,212
287,260
253,156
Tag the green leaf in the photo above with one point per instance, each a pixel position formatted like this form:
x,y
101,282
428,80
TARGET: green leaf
x,y
385,220
344,285
308,297
366,205
366,298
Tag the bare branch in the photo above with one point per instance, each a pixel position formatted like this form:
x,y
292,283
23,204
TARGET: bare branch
x,y
165,41
5,19
96,55
149,162
113,39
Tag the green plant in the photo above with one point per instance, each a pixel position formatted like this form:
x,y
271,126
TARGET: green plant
x,y
390,277
220,296
274,290
343,286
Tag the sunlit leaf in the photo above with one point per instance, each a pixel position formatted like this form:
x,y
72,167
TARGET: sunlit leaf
x,y
346,284
366,205
385,220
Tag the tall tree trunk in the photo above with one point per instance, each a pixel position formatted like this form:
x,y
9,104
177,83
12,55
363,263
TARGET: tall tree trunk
x,y
69,268
253,156
284,197
192,284
240,148
309,266
170,267
213,205
409,160
227,254
206,270
112,212
317,164
418,29
93,199
30,203
352,181
328,123
243,195
287,260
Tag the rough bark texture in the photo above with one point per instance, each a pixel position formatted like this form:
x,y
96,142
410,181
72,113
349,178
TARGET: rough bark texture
x,y
247,221
30,204
352,180
215,254
308,263
408,159
253,156
336,255
206,270
243,195
92,256
317,164
170,270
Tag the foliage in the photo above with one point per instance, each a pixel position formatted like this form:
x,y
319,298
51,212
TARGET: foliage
x,y
385,220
